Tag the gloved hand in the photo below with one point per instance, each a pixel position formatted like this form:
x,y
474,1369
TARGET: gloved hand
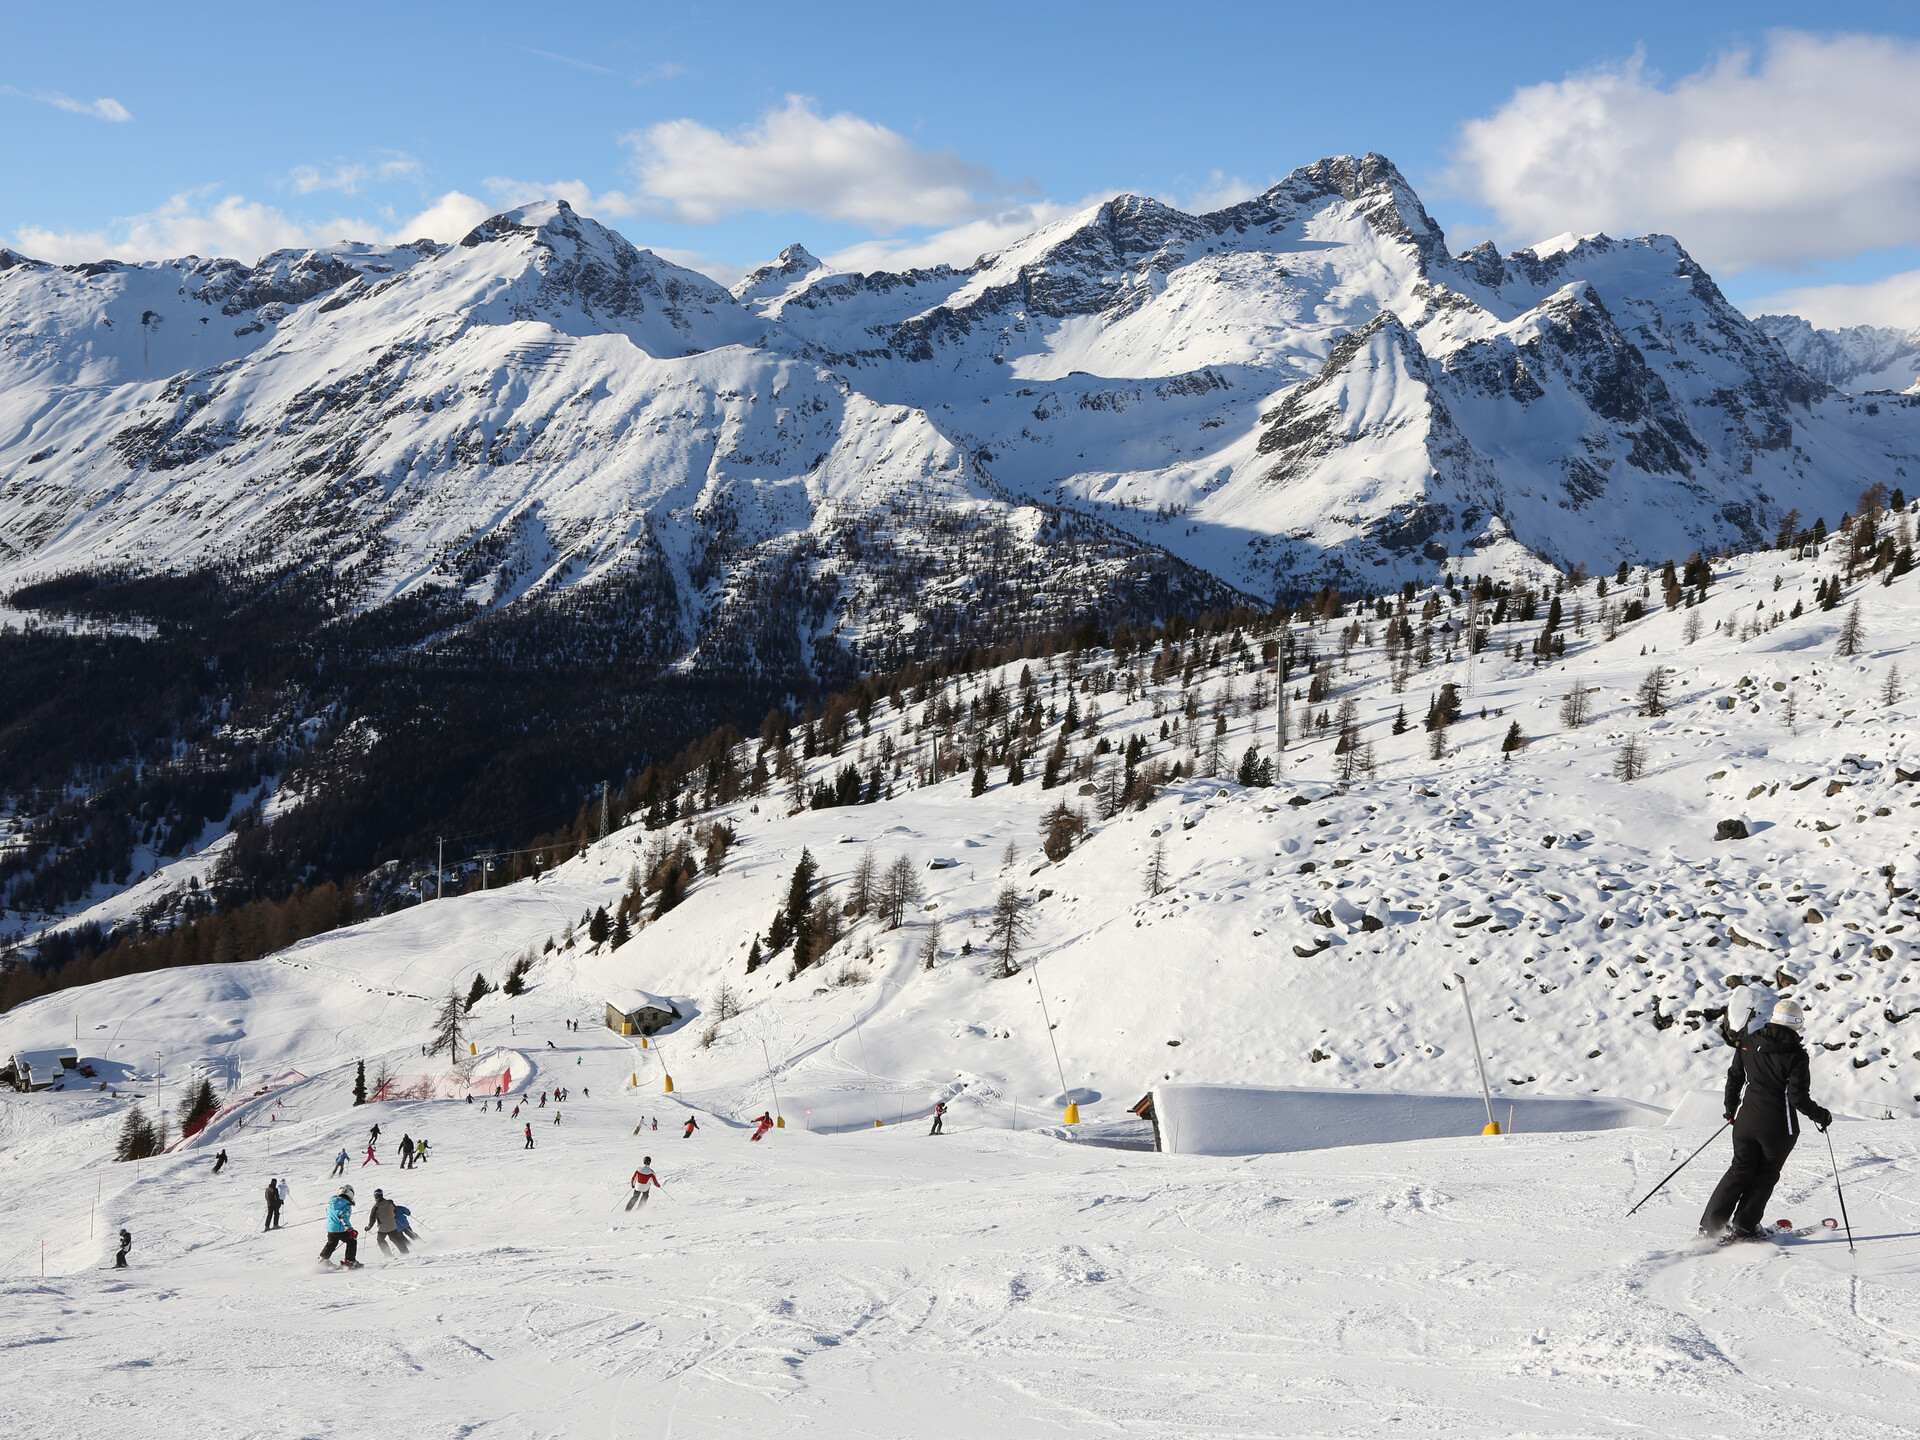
x,y
1822,1118
1729,1119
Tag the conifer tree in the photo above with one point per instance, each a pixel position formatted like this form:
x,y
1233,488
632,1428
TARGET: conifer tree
x,y
1852,634
477,991
980,774
1514,739
360,1083
753,955
137,1139
621,932
599,927
446,1027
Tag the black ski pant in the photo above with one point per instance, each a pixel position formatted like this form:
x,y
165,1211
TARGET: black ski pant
x,y
936,1125
340,1237
273,1218
1743,1192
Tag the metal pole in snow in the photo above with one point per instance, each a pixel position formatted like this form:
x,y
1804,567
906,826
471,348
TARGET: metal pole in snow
x,y
1065,1098
773,1083
1485,1093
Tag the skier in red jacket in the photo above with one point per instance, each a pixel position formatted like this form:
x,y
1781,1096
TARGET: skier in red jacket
x,y
642,1178
762,1123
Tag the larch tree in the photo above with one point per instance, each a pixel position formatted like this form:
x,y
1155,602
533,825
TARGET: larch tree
x,y
1009,928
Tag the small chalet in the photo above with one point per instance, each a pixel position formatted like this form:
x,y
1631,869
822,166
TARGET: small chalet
x,y
37,1069
634,1012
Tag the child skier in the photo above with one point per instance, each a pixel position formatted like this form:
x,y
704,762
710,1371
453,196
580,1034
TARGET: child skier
x,y
641,1179
1770,1066
340,1229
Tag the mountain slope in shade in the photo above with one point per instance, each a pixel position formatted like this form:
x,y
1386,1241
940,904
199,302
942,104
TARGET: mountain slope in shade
x,y
1132,402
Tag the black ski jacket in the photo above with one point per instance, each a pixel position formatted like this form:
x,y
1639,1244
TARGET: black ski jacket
x,y
1771,1066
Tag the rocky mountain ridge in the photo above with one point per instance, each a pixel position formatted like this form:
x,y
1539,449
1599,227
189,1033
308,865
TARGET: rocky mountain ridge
x,y
1131,406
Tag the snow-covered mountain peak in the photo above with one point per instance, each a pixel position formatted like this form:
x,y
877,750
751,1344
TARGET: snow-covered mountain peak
x,y
1857,358
791,271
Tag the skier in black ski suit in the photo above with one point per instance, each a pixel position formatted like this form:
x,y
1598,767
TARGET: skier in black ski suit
x,y
1770,1066
273,1206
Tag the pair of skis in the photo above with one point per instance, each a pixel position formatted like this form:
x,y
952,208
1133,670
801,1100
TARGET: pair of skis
x,y
1779,1230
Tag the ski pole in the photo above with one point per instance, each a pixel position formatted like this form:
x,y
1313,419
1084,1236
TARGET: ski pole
x,y
1681,1166
1842,1193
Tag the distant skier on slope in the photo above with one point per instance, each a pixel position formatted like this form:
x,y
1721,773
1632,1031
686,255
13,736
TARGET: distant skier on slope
x,y
220,1162
340,1229
120,1255
641,1179
1770,1067
939,1117
273,1206
372,1159
762,1123
373,1135
529,1129
692,1125
340,1162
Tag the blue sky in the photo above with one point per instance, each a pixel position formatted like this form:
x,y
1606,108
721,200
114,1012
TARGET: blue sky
x,y
1780,143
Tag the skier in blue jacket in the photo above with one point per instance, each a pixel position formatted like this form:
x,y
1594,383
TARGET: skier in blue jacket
x,y
340,1228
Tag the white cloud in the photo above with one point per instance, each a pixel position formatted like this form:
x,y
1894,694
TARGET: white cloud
x,y
349,178
841,167
507,193
1894,301
1810,151
193,224
586,65
960,245
1219,191
101,109
447,219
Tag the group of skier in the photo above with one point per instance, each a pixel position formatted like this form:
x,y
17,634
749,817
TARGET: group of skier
x,y
391,1224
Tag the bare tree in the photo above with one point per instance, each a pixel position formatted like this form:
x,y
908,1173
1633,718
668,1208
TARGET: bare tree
x,y
1010,856
865,877
1437,743
1690,631
930,947
1653,692
899,888
1790,711
1157,869
1890,687
1630,762
1852,636
726,1002
1576,708
1009,928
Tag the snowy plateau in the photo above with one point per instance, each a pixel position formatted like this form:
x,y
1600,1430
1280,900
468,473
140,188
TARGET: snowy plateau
x,y
1301,390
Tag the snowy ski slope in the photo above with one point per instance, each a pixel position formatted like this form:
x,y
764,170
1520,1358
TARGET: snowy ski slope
x,y
1058,1282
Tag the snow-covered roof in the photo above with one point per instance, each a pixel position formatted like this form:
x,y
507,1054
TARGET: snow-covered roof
x,y
628,1001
